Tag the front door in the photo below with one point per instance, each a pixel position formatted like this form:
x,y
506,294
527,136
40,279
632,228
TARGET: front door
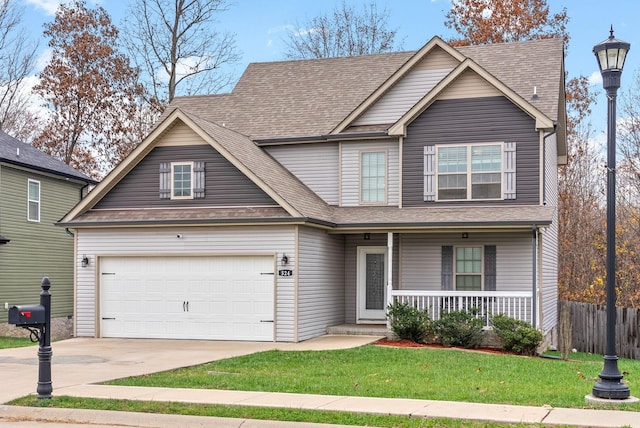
x,y
372,284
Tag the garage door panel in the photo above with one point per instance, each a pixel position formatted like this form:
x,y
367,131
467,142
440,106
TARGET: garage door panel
x,y
215,298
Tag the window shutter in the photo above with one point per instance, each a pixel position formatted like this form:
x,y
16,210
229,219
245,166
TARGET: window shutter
x,y
447,267
429,173
198,179
165,180
490,268
509,170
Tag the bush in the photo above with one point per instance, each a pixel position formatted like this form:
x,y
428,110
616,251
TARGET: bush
x,y
408,322
516,335
459,328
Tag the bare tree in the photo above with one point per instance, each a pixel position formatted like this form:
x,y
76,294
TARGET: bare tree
x,y
175,45
91,89
17,56
343,32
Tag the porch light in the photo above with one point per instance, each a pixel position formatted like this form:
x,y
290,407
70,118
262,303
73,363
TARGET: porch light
x,y
611,54
85,261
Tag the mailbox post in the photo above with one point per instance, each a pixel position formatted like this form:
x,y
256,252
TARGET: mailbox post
x,y
37,319
45,388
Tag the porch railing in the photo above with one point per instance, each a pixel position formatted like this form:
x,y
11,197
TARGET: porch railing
x,y
515,304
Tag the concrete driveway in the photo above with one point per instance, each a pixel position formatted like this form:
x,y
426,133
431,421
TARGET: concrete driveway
x,y
82,361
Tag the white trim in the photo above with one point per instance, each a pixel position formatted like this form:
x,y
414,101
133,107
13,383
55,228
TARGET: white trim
x,y
174,164
455,271
386,176
362,316
468,171
29,200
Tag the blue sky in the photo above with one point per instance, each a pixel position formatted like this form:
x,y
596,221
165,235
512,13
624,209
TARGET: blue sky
x,y
260,26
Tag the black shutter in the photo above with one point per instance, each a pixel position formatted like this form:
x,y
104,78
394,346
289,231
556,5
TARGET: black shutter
x,y
490,268
447,267
165,180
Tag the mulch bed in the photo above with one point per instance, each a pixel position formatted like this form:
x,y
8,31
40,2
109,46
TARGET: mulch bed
x,y
405,343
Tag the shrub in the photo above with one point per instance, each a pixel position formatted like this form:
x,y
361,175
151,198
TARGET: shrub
x,y
459,328
408,322
516,335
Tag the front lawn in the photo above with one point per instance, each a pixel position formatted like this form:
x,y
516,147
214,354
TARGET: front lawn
x,y
14,342
375,371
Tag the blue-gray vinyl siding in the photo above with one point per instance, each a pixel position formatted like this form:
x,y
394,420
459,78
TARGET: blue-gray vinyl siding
x,y
474,120
321,293
225,185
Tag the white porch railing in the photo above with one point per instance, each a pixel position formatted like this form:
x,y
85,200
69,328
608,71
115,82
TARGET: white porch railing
x,y
515,304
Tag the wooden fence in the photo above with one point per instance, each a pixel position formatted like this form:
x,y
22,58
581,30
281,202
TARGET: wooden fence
x,y
588,328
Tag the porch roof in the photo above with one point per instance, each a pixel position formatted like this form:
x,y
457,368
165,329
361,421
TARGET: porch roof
x,y
342,219
360,218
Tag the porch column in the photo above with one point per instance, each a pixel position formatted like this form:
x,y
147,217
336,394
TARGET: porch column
x,y
389,272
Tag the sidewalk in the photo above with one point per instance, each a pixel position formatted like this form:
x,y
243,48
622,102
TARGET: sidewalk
x,y
392,406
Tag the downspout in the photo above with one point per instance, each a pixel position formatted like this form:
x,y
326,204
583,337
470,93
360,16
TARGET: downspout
x,y
544,162
534,253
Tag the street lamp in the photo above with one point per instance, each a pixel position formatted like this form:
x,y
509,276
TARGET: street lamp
x,y
611,54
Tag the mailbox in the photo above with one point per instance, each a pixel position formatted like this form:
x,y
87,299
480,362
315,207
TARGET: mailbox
x,y
27,315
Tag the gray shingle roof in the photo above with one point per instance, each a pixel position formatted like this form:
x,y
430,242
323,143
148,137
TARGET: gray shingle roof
x,y
16,152
310,97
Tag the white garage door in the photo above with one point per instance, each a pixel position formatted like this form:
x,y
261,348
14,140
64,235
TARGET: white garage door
x,y
214,298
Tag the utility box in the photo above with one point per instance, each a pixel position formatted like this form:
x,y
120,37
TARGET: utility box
x,y
27,315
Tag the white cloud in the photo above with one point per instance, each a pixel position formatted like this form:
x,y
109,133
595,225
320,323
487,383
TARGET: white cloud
x,y
43,59
595,78
49,6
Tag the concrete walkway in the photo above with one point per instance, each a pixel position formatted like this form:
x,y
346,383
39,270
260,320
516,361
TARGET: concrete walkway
x,y
85,367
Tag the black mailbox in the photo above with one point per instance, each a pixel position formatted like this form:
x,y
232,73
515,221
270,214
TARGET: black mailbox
x,y
26,315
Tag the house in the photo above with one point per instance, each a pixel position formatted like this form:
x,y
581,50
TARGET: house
x,y
319,191
36,191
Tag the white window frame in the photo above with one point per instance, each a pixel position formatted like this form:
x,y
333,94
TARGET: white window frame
x,y
386,177
173,165
469,172
33,201
455,267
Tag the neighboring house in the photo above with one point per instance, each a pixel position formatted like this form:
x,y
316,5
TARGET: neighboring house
x,y
319,191
36,191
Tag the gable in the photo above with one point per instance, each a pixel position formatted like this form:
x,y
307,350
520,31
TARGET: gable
x,y
469,85
225,185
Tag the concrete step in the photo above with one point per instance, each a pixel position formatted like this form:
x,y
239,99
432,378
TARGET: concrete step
x,y
360,330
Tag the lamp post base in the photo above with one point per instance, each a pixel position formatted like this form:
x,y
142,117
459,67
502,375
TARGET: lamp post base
x,y
610,385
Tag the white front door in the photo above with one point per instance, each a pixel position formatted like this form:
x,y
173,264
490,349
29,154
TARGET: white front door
x,y
372,284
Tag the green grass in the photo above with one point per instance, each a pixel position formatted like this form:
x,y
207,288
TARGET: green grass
x,y
373,371
14,342
264,413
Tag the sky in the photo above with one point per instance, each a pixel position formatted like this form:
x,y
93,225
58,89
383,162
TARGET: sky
x,y
261,25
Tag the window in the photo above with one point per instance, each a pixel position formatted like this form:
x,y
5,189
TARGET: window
x,y
469,172
181,180
373,177
468,268
33,204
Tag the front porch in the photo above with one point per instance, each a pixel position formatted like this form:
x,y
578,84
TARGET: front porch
x,y
514,304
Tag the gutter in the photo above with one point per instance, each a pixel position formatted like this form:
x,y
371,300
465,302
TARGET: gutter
x,y
321,138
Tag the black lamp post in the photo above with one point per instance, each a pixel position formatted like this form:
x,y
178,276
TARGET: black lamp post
x,y
611,54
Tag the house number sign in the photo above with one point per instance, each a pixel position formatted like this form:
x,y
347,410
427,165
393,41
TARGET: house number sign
x,y
285,272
